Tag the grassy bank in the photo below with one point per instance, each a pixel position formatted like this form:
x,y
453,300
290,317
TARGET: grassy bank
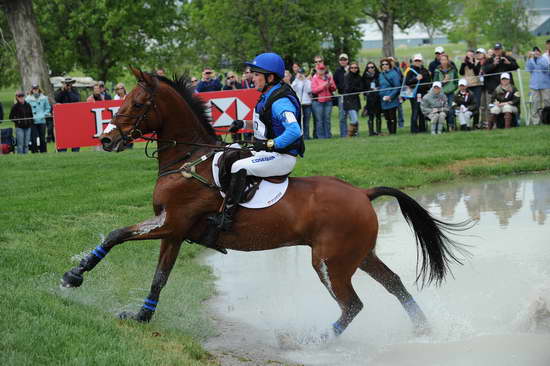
x,y
56,207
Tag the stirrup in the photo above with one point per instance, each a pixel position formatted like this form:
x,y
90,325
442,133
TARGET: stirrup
x,y
210,239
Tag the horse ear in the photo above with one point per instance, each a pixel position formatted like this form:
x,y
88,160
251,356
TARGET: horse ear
x,y
137,72
149,80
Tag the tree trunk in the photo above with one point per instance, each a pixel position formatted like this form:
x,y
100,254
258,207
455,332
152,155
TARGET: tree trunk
x,y
28,44
387,36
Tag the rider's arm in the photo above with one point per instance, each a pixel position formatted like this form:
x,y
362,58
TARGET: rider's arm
x,y
285,112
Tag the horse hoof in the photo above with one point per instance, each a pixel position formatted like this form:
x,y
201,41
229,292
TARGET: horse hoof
x,y
71,279
142,317
127,315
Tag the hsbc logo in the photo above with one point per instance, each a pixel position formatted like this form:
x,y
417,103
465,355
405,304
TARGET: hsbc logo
x,y
223,111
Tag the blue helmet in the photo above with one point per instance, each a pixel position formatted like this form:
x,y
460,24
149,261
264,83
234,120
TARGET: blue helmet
x,y
267,63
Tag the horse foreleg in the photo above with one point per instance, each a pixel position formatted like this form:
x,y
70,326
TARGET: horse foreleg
x,y
393,284
169,250
336,277
154,228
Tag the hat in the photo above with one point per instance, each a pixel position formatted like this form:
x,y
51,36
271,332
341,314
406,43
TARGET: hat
x,y
497,46
343,55
101,83
505,75
463,82
320,66
34,86
439,49
436,84
481,50
68,80
418,56
536,49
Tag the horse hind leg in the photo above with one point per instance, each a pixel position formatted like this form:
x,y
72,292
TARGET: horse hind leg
x,y
393,284
337,279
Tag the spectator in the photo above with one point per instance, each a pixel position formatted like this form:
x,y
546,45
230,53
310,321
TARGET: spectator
x,y
448,75
96,95
496,65
22,117
248,81
339,76
40,110
373,107
295,69
68,94
302,88
353,84
208,83
485,96
194,83
231,82
316,61
288,77
546,54
160,72
464,105
120,92
104,94
323,86
400,114
435,106
539,84
505,101
435,63
390,85
470,69
418,78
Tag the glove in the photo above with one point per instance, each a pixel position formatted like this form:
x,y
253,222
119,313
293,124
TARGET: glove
x,y
236,125
265,145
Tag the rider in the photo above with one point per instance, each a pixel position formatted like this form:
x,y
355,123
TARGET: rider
x,y
277,137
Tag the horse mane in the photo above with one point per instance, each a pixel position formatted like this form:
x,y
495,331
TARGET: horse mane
x,y
181,84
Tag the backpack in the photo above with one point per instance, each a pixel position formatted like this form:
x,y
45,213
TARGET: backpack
x,y
545,116
7,142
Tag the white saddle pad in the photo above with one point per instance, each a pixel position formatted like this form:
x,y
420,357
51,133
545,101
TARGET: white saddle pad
x,y
267,194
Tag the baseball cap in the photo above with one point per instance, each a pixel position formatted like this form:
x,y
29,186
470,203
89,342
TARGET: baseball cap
x,y
439,49
505,75
497,46
68,80
418,56
437,84
463,82
101,83
34,86
481,50
343,55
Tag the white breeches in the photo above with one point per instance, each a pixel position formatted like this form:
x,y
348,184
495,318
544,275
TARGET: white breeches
x,y
265,164
464,117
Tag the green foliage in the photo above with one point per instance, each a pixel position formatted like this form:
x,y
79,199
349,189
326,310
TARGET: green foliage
x,y
102,37
226,33
491,21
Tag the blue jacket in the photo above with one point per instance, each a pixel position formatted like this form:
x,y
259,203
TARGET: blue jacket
x,y
389,79
540,73
284,119
208,86
40,108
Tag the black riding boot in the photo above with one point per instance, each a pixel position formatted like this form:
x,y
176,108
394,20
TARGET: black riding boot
x,y
224,221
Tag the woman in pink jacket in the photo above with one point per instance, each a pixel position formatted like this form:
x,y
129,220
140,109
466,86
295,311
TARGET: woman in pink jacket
x,y
322,87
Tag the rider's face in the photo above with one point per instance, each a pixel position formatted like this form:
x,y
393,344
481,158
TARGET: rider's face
x,y
259,80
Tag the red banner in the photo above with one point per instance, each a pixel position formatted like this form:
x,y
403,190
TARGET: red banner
x,y
80,124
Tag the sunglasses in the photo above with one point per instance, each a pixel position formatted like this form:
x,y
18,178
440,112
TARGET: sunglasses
x,y
354,67
20,95
318,61
370,67
231,77
194,81
208,72
385,64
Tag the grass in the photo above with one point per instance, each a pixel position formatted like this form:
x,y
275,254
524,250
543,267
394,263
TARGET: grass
x,y
55,208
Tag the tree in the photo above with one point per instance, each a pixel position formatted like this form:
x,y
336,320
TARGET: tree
x,y
28,44
490,21
8,56
227,33
389,13
101,37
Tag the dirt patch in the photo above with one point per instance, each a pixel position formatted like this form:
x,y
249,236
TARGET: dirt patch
x,y
458,167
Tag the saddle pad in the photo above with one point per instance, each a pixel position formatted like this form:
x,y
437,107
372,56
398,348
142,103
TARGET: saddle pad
x,y
267,195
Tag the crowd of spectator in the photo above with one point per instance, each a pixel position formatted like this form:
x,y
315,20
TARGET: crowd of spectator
x,y
478,94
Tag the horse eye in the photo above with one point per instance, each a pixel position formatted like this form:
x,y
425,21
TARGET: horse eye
x,y
138,105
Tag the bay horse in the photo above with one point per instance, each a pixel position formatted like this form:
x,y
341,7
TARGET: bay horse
x,y
334,218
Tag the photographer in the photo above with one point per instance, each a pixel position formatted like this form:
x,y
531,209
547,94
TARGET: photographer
x,y
538,66
470,69
67,94
498,64
231,82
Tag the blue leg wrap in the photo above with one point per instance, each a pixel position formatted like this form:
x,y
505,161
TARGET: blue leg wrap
x,y
99,252
338,329
150,304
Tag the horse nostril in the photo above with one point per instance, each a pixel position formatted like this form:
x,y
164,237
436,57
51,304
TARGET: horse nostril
x,y
106,140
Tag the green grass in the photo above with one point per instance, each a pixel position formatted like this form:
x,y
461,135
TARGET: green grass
x,y
55,207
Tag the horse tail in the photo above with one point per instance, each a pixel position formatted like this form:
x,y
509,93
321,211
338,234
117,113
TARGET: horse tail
x,y
437,249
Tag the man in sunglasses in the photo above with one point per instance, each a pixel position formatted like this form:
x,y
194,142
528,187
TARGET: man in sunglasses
x,y
208,82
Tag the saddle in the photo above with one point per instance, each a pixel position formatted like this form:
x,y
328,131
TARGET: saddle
x,y
225,162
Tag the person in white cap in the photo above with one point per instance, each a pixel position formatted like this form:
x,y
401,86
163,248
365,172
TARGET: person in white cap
x,y
434,106
464,105
339,75
435,63
470,69
418,80
505,101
